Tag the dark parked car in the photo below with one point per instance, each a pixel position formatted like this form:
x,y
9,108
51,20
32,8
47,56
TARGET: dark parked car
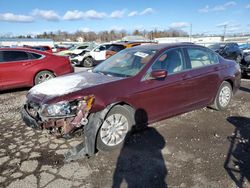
x,y
137,86
245,63
23,67
228,51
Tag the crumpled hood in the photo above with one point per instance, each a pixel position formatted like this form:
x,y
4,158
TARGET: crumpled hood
x,y
67,84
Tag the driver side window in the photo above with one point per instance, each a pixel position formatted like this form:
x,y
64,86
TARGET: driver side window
x,y
171,61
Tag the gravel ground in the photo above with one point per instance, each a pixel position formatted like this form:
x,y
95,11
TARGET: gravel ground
x,y
203,148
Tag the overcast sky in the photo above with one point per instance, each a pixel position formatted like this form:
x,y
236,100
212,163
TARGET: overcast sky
x,y
206,16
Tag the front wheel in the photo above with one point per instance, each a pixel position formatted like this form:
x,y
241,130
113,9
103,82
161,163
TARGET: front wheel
x,y
115,128
43,76
223,96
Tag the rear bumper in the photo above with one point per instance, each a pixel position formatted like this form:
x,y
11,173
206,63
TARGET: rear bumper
x,y
29,120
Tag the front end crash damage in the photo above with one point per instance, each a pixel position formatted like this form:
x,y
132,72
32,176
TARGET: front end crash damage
x,y
65,126
88,146
67,117
60,119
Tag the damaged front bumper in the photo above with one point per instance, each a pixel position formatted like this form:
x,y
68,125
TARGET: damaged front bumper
x,y
29,120
88,146
61,126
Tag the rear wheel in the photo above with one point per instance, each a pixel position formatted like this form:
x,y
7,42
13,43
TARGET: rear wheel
x,y
43,76
88,62
223,96
115,128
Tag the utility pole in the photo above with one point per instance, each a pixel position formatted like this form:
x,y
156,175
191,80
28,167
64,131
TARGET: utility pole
x,y
224,33
190,33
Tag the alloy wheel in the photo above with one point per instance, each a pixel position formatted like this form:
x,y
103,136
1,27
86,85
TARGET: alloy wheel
x,y
114,129
225,96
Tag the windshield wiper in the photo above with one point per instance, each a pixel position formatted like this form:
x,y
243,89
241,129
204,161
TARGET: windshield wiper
x,y
113,74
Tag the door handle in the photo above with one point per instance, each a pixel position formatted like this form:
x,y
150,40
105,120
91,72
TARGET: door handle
x,y
27,63
186,76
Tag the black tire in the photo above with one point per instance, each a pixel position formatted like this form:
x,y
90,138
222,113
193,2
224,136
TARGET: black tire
x,y
43,76
126,112
218,104
88,62
244,74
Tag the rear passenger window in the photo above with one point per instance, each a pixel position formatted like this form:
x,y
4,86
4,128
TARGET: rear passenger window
x,y
34,56
1,56
201,57
14,56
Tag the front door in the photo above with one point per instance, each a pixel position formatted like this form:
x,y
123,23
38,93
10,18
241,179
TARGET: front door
x,y
161,98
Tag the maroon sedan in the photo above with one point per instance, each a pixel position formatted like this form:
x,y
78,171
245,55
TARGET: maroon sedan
x,y
135,87
23,67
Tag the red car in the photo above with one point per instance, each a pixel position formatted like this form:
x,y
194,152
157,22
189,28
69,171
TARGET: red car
x,y
40,48
47,49
23,67
136,86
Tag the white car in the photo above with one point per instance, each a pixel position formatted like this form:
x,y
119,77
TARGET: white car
x,y
92,57
75,49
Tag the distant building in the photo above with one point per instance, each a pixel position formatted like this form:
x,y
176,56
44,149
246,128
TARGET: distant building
x,y
11,42
197,40
134,38
80,39
204,40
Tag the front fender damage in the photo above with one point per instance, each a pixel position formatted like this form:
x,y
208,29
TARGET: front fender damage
x,y
88,146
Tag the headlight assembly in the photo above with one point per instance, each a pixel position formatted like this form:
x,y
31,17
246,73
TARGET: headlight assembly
x,y
61,109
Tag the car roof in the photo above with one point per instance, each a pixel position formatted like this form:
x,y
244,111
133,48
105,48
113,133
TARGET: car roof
x,y
125,43
164,46
24,49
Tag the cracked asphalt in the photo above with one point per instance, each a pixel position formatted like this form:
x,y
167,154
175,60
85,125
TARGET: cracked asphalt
x,y
203,148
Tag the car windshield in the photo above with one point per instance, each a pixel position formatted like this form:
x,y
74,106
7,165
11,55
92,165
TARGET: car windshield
x,y
126,63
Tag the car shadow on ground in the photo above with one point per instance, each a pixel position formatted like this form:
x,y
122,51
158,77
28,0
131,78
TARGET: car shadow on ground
x,y
237,163
141,163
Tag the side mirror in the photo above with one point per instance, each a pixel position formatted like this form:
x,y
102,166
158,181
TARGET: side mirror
x,y
159,74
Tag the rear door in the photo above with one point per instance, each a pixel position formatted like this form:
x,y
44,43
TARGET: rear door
x,y
203,76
